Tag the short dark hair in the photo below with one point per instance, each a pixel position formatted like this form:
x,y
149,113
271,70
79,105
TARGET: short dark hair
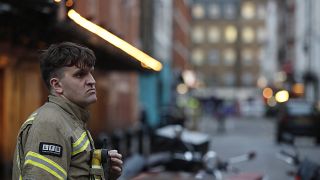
x,y
65,54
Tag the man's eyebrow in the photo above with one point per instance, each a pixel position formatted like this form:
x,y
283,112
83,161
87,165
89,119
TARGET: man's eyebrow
x,y
80,71
84,70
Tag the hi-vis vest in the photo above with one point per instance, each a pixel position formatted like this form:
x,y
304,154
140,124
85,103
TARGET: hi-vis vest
x,y
53,143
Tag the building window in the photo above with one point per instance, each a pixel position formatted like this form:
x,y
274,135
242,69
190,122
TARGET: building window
x,y
261,11
261,54
248,10
198,34
214,11
247,79
229,56
261,34
229,79
198,11
247,57
248,34
230,34
213,34
198,57
230,11
214,57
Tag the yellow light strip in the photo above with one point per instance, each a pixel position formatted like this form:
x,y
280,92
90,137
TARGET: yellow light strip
x,y
116,41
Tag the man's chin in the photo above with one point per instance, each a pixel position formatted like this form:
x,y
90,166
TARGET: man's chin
x,y
93,100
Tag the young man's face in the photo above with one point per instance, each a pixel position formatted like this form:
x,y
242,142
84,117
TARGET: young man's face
x,y
78,85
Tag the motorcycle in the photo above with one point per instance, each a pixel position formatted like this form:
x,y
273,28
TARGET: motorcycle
x,y
176,155
187,166
305,169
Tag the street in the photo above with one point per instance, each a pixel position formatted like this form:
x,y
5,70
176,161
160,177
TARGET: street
x,y
243,135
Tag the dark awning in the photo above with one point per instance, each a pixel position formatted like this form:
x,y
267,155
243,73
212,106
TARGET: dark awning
x,y
108,57
34,26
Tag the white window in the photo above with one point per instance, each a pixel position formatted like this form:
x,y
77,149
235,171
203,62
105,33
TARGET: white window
x,y
214,57
198,34
261,54
261,34
248,10
247,57
247,79
261,11
214,11
198,11
229,57
213,34
230,11
231,34
248,34
229,78
198,57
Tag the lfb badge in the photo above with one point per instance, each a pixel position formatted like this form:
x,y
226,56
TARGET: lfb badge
x,y
50,149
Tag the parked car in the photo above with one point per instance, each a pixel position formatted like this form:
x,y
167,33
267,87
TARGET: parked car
x,y
297,117
305,168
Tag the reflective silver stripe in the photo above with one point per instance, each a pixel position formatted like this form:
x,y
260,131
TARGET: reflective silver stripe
x,y
46,164
31,117
81,144
18,157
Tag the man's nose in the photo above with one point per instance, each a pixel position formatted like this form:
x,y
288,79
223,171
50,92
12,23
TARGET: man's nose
x,y
91,81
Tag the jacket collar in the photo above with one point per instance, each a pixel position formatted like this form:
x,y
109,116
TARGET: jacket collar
x,y
76,111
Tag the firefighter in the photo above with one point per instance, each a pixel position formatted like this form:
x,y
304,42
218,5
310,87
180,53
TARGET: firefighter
x,y
54,143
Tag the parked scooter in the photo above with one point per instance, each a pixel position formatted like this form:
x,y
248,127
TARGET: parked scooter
x,y
187,165
305,169
177,157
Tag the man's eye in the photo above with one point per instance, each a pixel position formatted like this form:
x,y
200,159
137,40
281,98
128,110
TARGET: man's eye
x,y
79,75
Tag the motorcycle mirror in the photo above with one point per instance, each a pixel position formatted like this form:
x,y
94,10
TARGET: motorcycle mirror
x,y
242,158
210,155
210,160
252,155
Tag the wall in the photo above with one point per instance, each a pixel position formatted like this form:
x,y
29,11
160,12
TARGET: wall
x,y
22,92
181,28
117,105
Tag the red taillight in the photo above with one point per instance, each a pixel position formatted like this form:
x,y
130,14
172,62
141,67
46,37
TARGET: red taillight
x,y
297,177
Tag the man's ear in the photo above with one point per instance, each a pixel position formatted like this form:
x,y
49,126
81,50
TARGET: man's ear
x,y
56,85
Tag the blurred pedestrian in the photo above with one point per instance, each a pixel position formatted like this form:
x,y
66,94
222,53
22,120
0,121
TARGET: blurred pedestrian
x,y
54,143
221,115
